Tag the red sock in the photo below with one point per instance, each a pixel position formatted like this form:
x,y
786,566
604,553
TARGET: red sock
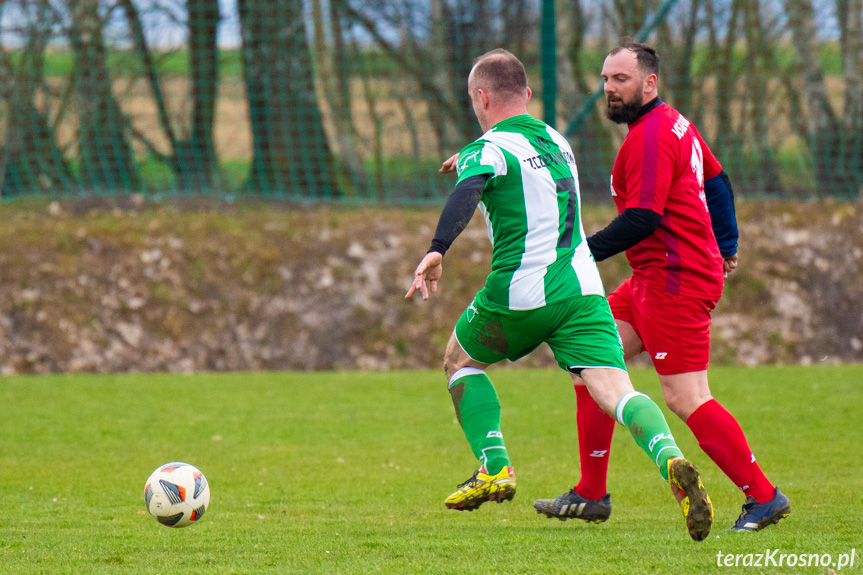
x,y
595,429
722,439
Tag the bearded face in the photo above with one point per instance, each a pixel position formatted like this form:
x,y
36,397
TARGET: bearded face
x,y
624,111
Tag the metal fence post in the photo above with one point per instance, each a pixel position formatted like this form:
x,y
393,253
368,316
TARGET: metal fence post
x,y
549,64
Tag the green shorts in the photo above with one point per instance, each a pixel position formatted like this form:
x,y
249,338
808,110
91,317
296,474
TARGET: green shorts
x,y
580,332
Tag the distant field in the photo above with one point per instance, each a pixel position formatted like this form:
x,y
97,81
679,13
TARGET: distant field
x,y
407,143
347,472
176,62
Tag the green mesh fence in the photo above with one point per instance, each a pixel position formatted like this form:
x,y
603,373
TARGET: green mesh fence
x,y
360,100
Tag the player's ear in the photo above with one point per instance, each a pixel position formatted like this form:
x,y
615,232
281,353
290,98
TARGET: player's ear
x,y
529,93
483,95
650,82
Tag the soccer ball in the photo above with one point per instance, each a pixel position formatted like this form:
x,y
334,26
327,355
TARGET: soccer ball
x,y
177,494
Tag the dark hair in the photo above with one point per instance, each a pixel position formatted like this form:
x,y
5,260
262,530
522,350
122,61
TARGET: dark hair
x,y
500,72
648,59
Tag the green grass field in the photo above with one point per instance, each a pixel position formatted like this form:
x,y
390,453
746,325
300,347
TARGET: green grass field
x,y
347,472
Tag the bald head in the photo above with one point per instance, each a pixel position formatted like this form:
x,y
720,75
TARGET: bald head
x,y
500,74
498,89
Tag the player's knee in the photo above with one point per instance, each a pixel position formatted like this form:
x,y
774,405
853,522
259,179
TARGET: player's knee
x,y
447,368
685,392
682,404
676,405
454,362
450,364
452,359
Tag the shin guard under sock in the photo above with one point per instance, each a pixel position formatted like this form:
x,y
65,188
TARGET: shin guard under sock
x,y
649,428
478,411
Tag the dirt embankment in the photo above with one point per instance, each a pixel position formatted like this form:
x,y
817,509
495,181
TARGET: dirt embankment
x,y
98,286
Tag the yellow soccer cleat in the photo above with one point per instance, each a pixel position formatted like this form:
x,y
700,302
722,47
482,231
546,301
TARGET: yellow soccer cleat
x,y
692,497
482,487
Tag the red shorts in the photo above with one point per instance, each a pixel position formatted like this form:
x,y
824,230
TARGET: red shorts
x,y
675,329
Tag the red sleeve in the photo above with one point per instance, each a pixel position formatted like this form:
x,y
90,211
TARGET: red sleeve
x,y
649,168
712,167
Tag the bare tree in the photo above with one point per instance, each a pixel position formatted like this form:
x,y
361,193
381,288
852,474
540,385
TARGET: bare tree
x,y
677,58
468,36
723,57
193,158
31,159
197,155
405,104
592,142
759,60
291,151
437,40
514,30
139,40
631,15
334,71
436,84
105,155
834,143
850,15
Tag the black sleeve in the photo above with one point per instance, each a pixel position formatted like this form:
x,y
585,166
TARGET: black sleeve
x,y
624,231
720,202
457,212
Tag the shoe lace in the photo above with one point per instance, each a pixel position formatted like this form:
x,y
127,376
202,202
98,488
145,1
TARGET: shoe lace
x,y
471,481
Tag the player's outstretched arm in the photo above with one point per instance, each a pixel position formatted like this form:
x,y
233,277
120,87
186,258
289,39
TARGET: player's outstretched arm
x,y
427,275
454,218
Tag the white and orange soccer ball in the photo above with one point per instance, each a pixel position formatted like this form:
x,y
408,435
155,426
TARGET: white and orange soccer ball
x,y
177,494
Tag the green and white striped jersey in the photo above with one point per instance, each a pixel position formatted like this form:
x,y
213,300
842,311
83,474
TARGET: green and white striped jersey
x,y
532,208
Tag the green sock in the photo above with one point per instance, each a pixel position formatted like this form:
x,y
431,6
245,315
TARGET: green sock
x,y
478,411
647,425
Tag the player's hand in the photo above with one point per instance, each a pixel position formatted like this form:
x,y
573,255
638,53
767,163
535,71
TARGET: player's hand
x,y
729,264
449,165
427,275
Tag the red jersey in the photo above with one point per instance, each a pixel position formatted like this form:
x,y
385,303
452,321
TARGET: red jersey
x,y
661,166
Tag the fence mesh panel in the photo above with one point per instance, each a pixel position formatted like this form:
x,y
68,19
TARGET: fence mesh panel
x,y
361,100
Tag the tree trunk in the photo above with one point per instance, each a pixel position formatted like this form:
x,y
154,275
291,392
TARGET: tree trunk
x,y
197,155
407,104
106,159
759,59
592,144
291,152
801,19
31,159
849,14
515,31
464,33
343,119
850,160
431,79
726,139
677,60
823,129
631,15
438,79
